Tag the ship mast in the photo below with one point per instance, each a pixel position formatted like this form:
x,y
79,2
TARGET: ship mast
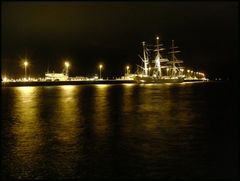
x,y
159,59
145,59
174,59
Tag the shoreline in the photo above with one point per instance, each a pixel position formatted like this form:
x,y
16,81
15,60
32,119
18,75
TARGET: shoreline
x,y
82,82
53,83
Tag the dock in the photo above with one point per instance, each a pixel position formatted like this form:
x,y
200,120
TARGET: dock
x,y
54,83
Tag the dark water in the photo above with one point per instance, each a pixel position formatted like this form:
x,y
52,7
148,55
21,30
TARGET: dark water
x,y
120,131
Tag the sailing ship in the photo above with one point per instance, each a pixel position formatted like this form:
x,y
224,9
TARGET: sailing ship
x,y
163,69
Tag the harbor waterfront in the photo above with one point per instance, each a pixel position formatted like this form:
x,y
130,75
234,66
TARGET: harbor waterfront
x,y
53,83
119,90
159,70
173,131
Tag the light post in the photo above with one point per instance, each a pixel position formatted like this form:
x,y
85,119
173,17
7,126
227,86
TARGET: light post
x,y
25,67
167,71
100,67
188,71
67,65
127,70
181,71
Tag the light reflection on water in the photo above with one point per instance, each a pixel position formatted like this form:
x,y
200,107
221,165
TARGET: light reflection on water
x,y
101,111
26,130
66,115
149,130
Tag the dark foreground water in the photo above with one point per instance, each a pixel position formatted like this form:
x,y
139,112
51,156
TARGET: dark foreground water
x,y
184,130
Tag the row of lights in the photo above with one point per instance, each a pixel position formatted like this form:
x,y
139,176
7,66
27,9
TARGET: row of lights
x,y
197,73
67,64
26,64
182,70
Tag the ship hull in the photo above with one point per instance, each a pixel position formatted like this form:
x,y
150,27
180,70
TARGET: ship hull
x,y
158,80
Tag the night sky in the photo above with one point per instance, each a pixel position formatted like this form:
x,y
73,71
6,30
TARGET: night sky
x,y
89,33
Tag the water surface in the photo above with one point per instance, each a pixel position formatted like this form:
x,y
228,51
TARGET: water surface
x,y
183,130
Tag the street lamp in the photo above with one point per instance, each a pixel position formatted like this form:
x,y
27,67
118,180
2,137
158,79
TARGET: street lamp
x,y
191,73
25,67
5,79
149,70
100,67
67,65
188,73
181,71
127,69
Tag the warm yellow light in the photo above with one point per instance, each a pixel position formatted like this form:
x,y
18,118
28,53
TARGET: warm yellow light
x,y
188,71
67,64
167,69
25,63
157,37
4,79
149,68
100,66
127,67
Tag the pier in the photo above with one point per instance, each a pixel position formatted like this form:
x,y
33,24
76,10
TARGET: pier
x,y
53,83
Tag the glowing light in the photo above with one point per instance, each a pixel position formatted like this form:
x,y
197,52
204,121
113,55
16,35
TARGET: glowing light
x,y
102,85
67,64
157,38
25,63
100,67
127,70
128,85
25,67
68,87
26,90
188,71
4,79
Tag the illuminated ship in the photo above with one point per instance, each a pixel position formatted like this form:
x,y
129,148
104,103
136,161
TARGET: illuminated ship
x,y
56,77
163,69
